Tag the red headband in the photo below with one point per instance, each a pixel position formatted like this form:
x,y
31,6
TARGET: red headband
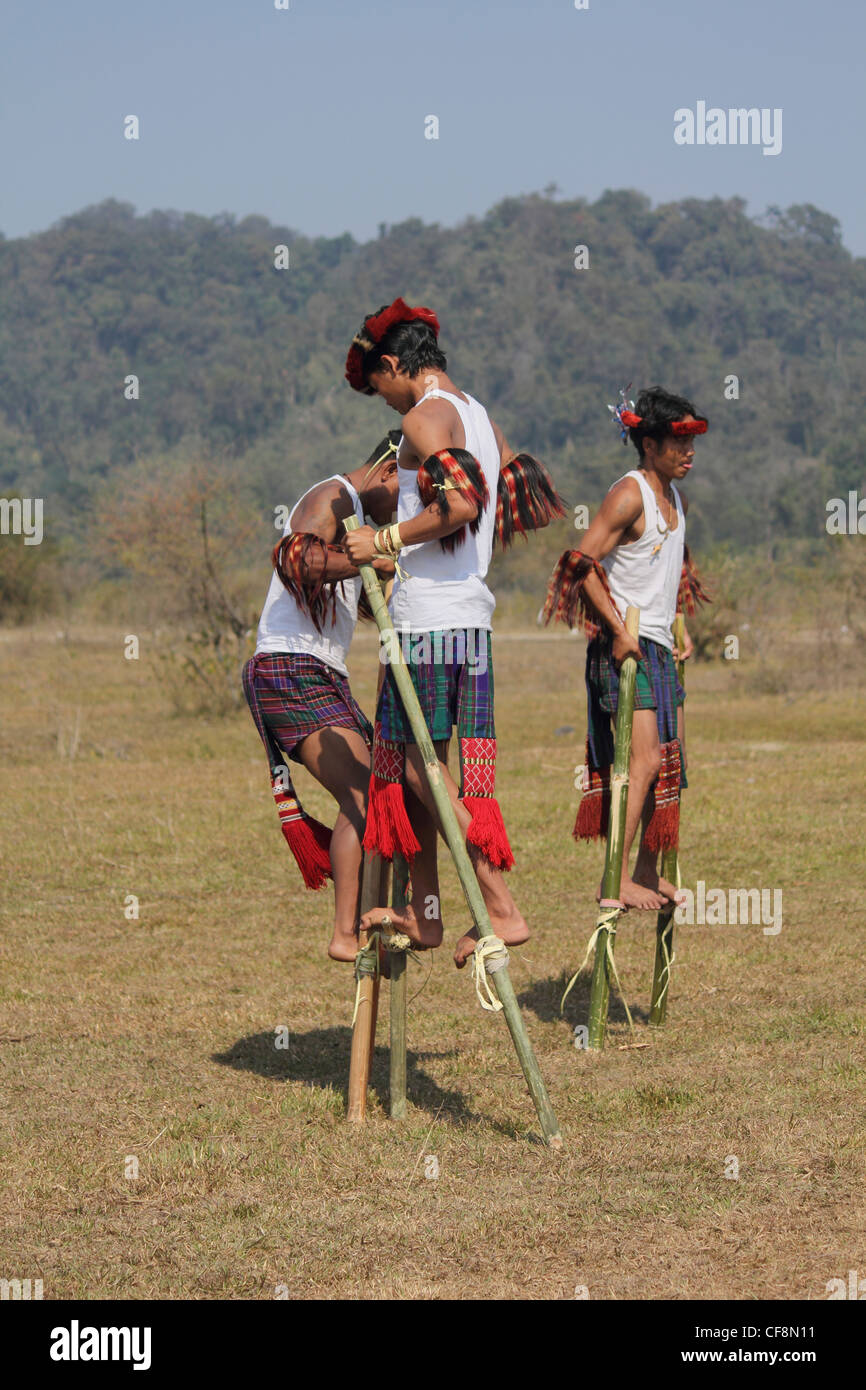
x,y
374,330
678,427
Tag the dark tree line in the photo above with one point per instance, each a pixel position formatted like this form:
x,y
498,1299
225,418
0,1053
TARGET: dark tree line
x,y
246,361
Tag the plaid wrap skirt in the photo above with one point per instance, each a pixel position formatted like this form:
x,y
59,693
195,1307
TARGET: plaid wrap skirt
x,y
656,687
452,672
292,695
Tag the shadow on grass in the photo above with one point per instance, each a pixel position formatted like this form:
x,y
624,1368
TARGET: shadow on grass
x,y
544,997
321,1058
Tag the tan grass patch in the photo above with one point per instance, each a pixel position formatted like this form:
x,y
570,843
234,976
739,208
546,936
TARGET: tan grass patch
x,y
155,1038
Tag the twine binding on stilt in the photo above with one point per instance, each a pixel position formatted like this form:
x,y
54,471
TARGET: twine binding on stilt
x,y
490,955
366,966
606,922
367,961
668,957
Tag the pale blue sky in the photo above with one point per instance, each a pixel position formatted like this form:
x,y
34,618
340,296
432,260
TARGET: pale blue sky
x,y
314,117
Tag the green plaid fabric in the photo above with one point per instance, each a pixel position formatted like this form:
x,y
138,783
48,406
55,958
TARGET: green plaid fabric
x,y
656,687
452,672
292,695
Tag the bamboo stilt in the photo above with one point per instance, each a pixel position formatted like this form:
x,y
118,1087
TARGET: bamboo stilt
x,y
665,920
399,981
599,994
457,846
364,1030
664,948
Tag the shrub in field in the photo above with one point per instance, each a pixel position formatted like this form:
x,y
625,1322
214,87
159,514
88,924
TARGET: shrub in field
x,y
201,671
180,532
852,585
26,587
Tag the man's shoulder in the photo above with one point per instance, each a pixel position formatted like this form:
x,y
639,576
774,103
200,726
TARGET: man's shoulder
x,y
433,419
429,408
327,489
624,490
328,499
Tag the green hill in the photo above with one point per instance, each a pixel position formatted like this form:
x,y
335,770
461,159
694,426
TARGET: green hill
x,y
245,362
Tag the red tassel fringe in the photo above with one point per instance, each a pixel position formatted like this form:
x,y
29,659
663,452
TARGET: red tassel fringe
x,y
593,814
691,590
487,830
456,466
663,831
526,499
664,826
309,840
465,473
565,600
388,831
292,558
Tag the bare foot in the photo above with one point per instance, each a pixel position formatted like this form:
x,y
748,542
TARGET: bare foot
x,y
344,945
647,875
598,893
423,933
648,878
513,930
637,895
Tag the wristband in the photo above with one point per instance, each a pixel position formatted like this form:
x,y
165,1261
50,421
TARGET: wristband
x,y
388,541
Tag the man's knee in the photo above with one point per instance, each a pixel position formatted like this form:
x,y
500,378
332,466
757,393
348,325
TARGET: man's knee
x,y
355,794
646,763
353,804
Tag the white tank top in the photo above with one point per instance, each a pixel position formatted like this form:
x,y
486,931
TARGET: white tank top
x,y
284,627
446,589
646,572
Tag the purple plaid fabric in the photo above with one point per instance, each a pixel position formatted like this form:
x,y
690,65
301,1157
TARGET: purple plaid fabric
x,y
292,695
656,688
452,672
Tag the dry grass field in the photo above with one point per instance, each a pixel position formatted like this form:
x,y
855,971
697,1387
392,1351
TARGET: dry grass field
x,y
154,1039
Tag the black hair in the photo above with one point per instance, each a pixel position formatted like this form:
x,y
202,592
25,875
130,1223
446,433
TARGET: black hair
x,y
658,409
526,499
414,345
392,438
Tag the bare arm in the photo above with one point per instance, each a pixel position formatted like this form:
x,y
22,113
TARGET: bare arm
x,y
322,514
505,450
425,431
428,431
621,508
688,646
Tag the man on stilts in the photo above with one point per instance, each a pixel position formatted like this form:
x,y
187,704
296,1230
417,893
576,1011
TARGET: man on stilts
x,y
460,487
634,554
297,683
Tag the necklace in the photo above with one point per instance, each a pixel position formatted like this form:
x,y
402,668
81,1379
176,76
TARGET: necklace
x,y
664,531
